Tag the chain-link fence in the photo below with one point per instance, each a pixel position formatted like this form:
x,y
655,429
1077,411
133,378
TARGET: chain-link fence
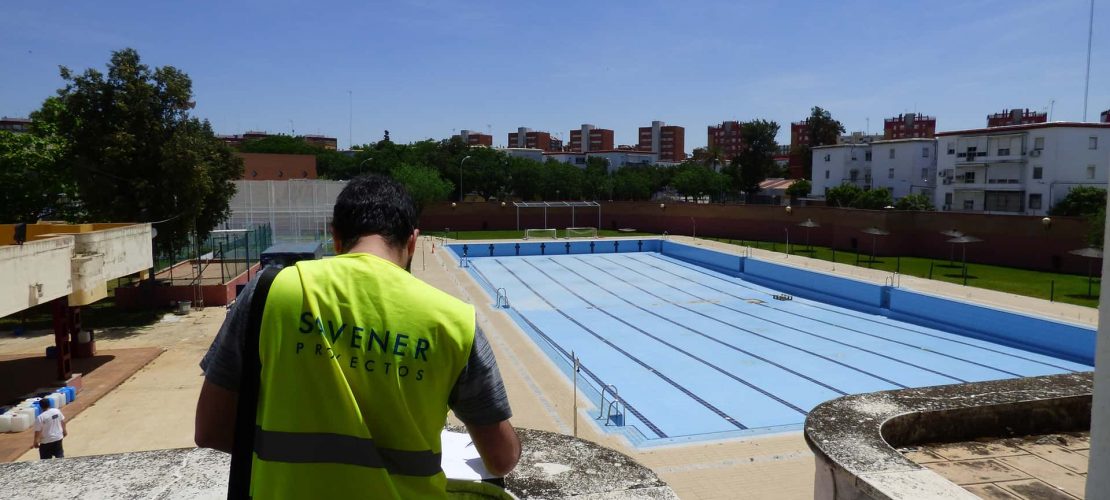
x,y
296,210
219,258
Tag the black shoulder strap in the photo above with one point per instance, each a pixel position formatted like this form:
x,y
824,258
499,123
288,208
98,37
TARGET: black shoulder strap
x,y
242,452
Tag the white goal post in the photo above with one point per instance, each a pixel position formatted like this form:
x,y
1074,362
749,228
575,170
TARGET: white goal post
x,y
580,232
541,233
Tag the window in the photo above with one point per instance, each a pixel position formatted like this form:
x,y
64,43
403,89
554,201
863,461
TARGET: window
x,y
969,204
1003,151
1038,143
969,178
948,199
853,175
890,173
924,152
1038,172
925,174
828,157
1092,143
826,174
867,156
1035,201
1090,171
892,153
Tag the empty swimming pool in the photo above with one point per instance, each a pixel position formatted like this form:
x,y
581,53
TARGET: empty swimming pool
x,y
699,352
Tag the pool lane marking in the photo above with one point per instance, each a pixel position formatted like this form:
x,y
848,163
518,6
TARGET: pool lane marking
x,y
631,409
752,332
861,318
676,348
710,337
617,348
846,344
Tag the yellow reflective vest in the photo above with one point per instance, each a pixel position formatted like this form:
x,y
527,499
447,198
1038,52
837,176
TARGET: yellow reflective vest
x,y
358,360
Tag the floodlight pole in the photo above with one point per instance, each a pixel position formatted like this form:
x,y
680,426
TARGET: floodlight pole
x,y
461,177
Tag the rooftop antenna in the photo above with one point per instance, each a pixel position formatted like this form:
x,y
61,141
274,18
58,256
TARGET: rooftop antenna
x,y
868,125
350,119
1051,107
1090,33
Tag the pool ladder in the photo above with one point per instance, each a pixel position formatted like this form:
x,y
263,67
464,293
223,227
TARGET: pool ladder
x,y
612,413
464,261
502,298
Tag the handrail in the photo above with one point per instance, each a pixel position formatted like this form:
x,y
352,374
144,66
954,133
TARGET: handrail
x,y
502,298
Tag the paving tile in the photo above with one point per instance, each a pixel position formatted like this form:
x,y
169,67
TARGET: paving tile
x,y
1033,489
991,491
1049,472
976,471
923,456
974,449
1078,441
1085,453
1059,456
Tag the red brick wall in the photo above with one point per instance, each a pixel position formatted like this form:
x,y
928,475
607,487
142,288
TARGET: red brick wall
x,y
277,167
1018,241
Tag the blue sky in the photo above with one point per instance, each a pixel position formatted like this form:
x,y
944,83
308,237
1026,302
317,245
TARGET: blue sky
x,y
426,68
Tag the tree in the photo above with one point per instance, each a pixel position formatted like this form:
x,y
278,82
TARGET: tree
x,y
632,183
799,189
873,199
136,153
843,195
916,201
757,157
423,183
32,178
823,131
1081,201
696,181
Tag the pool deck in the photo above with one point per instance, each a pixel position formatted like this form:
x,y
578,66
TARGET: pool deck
x,y
770,466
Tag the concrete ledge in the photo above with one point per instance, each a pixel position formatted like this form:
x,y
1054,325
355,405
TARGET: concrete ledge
x,y
552,466
854,437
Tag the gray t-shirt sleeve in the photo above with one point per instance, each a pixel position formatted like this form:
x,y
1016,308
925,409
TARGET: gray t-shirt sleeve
x,y
478,397
223,363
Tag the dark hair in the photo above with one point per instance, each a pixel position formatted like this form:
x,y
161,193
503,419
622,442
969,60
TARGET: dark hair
x,y
44,403
374,204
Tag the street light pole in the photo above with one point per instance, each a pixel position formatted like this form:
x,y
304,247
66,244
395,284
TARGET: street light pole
x,y
461,177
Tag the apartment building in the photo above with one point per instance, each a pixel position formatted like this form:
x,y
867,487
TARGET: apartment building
x,y
473,138
666,141
527,138
1019,169
590,138
858,138
909,126
16,125
1104,117
1015,117
726,136
905,166
614,158
838,164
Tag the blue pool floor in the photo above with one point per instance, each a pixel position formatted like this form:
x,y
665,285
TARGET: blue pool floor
x,y
693,352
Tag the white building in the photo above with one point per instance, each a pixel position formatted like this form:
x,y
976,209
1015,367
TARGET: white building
x,y
859,138
905,166
1019,169
529,153
616,158
838,164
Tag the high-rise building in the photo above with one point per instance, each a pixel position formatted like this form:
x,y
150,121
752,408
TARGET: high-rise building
x,y
590,138
1016,117
1105,116
473,138
667,141
726,136
910,126
527,138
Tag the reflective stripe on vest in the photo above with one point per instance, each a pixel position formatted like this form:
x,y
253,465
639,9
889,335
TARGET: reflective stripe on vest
x,y
358,360
308,447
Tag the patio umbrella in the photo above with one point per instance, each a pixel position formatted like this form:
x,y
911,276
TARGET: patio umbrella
x,y
952,233
963,241
875,232
1091,253
808,224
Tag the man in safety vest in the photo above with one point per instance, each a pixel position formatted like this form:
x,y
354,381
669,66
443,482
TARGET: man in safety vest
x,y
360,362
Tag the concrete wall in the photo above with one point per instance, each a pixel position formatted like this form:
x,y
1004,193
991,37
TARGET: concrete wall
x,y
45,262
1017,241
108,254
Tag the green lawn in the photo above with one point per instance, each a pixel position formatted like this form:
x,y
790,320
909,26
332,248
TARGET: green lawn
x,y
1069,288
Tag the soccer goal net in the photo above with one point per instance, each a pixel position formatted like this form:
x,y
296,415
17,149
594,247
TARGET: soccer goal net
x,y
581,232
541,233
